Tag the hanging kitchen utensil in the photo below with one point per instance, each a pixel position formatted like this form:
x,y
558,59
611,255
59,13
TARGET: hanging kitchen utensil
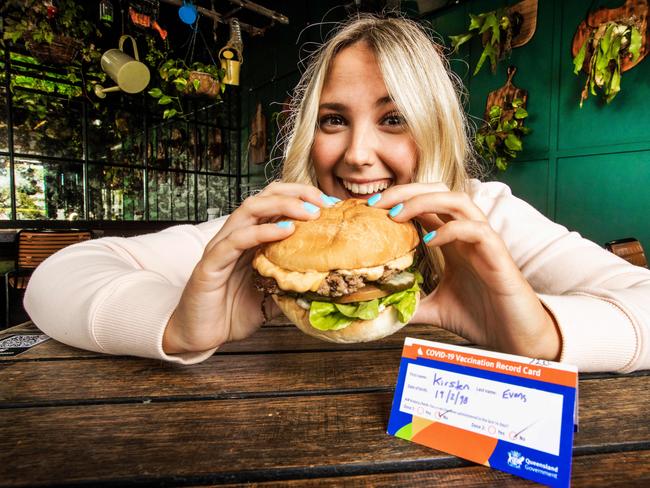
x,y
231,55
144,14
630,9
257,139
188,13
504,96
528,11
131,75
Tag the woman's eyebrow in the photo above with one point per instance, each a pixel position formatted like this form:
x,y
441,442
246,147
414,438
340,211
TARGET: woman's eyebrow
x,y
384,101
340,107
332,106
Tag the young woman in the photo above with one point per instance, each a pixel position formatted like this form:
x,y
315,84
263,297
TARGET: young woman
x,y
376,117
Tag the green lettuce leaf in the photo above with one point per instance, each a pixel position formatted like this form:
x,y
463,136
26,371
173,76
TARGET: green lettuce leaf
x,y
335,316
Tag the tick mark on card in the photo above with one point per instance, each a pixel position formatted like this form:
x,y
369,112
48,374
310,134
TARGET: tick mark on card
x,y
442,414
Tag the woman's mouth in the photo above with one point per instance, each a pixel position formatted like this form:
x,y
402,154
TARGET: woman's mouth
x,y
365,189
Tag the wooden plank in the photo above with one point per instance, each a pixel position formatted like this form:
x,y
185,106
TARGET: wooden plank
x,y
272,338
47,382
257,438
132,379
590,470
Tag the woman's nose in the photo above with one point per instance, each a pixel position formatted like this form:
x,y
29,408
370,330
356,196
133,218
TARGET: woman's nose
x,y
360,149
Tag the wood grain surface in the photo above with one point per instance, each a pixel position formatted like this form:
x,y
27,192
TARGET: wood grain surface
x,y
313,415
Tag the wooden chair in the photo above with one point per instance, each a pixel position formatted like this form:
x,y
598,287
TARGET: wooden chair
x,y
32,248
629,249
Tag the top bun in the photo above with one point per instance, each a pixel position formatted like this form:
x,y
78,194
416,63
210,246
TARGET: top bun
x,y
349,235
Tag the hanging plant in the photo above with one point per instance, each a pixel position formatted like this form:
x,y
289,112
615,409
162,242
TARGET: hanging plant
x,y
179,79
602,54
500,139
54,35
497,30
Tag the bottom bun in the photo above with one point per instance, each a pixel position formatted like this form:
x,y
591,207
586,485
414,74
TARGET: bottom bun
x,y
384,325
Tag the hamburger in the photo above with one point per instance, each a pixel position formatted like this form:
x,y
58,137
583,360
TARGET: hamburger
x,y
347,276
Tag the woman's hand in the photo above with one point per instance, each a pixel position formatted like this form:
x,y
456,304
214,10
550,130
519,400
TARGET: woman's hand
x,y
482,295
219,302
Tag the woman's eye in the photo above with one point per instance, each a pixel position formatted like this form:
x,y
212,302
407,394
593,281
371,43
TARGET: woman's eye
x,y
330,120
394,119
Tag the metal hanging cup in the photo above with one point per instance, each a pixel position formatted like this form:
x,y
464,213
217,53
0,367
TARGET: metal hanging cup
x,y
231,65
130,74
188,13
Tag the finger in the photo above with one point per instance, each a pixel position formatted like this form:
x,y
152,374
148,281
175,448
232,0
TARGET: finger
x,y
480,235
400,193
308,193
225,252
261,209
431,208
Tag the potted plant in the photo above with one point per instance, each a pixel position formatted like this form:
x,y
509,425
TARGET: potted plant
x,y
500,139
497,29
179,79
602,53
54,35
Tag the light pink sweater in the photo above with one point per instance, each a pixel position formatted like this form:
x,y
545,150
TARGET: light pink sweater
x,y
115,295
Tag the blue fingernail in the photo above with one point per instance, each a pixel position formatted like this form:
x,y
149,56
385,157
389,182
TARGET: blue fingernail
x,y
334,199
396,209
310,207
374,199
427,237
284,224
328,200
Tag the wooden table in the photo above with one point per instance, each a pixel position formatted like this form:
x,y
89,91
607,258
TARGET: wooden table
x,y
280,409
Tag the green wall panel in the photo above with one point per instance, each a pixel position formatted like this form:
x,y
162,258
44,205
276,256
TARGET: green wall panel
x,y
528,180
605,197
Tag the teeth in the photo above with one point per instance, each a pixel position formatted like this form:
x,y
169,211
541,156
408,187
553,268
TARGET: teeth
x,y
365,189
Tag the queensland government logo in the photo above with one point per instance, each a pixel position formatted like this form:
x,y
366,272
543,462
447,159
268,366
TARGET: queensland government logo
x,y
515,459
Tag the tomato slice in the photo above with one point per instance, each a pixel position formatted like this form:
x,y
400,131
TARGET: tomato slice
x,y
368,292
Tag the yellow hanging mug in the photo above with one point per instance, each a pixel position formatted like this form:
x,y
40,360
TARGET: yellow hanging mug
x,y
131,75
230,65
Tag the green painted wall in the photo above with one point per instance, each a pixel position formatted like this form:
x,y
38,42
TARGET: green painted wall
x,y
588,168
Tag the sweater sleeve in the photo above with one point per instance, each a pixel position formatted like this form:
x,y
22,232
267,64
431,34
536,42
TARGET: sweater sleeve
x,y
600,301
115,295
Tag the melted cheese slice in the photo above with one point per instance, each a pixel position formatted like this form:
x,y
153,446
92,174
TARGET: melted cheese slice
x,y
311,280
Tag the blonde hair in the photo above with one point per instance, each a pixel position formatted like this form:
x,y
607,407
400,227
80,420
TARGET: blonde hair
x,y
419,81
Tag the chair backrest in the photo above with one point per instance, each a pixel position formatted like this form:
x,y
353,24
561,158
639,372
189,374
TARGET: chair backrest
x,y
629,249
34,246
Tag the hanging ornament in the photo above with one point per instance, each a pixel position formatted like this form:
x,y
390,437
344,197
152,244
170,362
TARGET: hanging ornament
x,y
188,13
231,55
52,10
106,12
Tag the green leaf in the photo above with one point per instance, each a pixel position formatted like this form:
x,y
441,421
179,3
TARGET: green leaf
x,y
459,40
513,142
169,113
508,125
325,316
489,51
501,163
517,102
491,140
196,84
521,113
155,92
180,83
165,100
579,60
635,43
476,21
606,40
360,310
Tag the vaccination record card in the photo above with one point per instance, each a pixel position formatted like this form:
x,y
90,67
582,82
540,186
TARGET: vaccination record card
x,y
511,413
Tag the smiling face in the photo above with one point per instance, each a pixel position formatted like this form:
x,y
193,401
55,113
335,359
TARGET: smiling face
x,y
362,144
